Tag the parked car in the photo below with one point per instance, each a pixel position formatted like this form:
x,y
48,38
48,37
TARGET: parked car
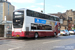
x,y
72,32
64,32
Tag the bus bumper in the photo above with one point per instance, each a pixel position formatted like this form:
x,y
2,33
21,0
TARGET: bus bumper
x,y
18,34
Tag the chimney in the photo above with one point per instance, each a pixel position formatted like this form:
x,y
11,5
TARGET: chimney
x,y
70,9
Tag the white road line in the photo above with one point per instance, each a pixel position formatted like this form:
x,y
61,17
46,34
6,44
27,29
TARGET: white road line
x,y
51,41
14,48
72,35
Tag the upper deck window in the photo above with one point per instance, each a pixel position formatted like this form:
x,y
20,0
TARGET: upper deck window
x,y
41,15
19,14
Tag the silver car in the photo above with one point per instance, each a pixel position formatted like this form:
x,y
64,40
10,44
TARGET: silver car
x,y
64,32
71,32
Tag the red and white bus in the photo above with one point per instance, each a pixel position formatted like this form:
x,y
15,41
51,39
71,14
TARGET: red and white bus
x,y
29,23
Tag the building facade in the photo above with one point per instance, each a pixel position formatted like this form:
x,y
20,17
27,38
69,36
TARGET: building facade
x,y
6,14
3,0
6,9
68,19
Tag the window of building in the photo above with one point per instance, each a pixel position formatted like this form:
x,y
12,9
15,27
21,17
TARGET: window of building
x,y
2,0
74,22
8,9
74,17
70,18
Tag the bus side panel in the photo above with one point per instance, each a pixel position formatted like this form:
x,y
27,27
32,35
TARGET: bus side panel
x,y
40,33
29,34
45,33
50,33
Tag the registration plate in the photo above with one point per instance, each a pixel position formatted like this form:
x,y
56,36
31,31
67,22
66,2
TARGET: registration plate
x,y
61,33
17,36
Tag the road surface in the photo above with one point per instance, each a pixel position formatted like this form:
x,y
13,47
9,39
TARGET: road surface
x,y
46,43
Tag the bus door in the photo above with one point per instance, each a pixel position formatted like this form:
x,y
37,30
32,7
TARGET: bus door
x,y
27,30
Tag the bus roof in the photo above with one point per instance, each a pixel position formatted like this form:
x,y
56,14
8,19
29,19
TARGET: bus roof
x,y
22,9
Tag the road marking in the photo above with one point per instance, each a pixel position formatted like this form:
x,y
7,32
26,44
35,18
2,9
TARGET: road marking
x,y
72,35
14,48
51,41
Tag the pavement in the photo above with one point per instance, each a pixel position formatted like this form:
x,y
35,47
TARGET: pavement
x,y
1,38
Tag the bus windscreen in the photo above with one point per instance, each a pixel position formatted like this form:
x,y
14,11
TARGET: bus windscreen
x,y
18,19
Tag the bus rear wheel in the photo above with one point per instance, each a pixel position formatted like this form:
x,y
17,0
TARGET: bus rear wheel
x,y
55,35
36,35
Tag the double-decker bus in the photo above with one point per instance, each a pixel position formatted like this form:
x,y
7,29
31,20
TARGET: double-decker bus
x,y
29,23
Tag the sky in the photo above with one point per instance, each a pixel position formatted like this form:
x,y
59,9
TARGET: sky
x,y
51,6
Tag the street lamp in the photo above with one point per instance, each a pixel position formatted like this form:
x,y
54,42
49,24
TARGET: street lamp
x,y
5,21
43,11
44,6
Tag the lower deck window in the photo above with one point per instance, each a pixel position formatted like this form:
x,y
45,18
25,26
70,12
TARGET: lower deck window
x,y
40,27
33,28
